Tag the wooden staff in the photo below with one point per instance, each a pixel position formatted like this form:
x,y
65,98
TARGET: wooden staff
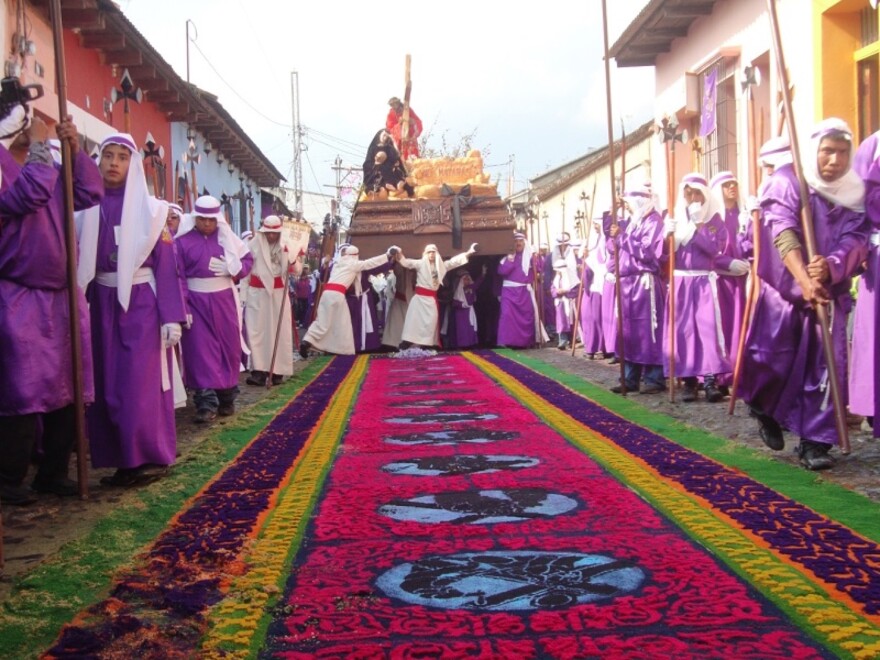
x,y
404,119
278,328
808,232
70,240
670,197
617,290
754,282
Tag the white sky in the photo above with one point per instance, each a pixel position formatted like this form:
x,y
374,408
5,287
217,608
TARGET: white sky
x,y
528,77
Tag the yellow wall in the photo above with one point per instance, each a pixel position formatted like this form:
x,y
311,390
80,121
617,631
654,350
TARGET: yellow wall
x,y
837,28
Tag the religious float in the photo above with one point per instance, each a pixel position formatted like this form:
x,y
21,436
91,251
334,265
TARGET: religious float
x,y
446,201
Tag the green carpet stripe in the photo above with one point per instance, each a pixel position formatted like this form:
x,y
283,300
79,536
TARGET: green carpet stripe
x,y
81,573
845,506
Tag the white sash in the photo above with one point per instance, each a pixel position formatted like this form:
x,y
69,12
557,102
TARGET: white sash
x,y
208,284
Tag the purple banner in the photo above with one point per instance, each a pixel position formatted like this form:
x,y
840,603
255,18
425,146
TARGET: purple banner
x,y
707,115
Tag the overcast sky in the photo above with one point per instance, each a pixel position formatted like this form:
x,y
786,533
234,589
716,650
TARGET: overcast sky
x,y
527,77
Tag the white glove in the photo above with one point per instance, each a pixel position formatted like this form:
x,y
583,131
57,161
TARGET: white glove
x,y
12,124
753,204
218,267
668,225
474,247
189,321
392,251
610,277
171,333
739,267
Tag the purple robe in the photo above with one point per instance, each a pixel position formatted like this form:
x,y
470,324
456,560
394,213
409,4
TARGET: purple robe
x,y
132,420
35,350
211,348
564,303
548,310
700,343
863,392
461,333
642,291
784,369
732,290
516,322
591,316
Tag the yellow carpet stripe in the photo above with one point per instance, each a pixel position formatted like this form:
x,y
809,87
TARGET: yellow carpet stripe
x,y
234,622
838,625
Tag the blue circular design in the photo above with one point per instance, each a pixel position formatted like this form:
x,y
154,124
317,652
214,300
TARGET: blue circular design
x,y
511,581
458,464
480,507
475,436
442,418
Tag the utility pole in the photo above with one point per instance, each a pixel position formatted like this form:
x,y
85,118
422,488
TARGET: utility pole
x,y
297,146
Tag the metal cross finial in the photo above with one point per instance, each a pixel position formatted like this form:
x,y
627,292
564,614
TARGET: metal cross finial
x,y
126,92
667,131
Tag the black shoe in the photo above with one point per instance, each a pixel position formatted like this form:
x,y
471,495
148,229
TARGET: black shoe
x,y
562,346
205,416
257,378
303,350
653,389
617,389
713,394
590,356
61,487
769,430
16,496
277,379
614,360
814,455
131,477
226,410
688,393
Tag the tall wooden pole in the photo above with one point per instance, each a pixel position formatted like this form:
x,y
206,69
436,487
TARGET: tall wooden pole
x,y
808,231
617,292
70,240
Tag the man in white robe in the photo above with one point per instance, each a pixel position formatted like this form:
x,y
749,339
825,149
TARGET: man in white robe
x,y
421,325
331,330
399,291
267,286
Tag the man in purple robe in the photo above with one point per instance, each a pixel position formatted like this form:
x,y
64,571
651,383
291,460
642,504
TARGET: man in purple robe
x,y
785,377
212,259
700,238
137,308
731,288
638,246
35,352
460,328
518,323
863,391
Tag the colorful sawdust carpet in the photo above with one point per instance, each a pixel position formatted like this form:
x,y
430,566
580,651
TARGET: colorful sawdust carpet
x,y
469,506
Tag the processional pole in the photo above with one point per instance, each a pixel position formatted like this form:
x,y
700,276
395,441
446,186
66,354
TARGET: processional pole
x,y
82,469
617,289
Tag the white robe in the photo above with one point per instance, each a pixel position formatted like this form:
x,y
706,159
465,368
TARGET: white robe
x,y
421,324
263,308
331,330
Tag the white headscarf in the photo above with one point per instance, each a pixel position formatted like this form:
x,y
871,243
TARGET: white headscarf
x,y
526,253
686,220
775,152
640,201
439,264
717,185
143,219
233,247
849,189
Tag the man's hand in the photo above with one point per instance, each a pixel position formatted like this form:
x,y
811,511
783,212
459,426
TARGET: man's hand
x,y
819,270
218,267
739,267
37,131
668,225
171,333
66,131
814,292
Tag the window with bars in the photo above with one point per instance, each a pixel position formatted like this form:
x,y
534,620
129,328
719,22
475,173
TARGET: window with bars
x,y
868,73
719,148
